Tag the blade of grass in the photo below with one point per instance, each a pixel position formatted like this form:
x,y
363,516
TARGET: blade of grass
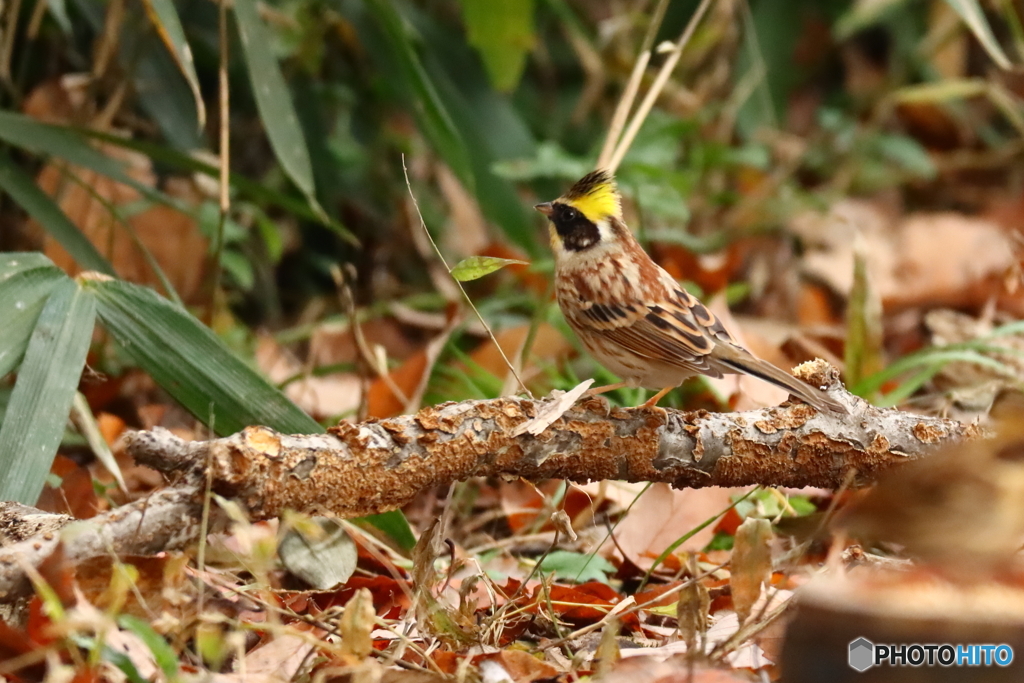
x,y
863,319
38,411
165,18
26,282
974,16
274,100
690,534
435,121
24,191
625,104
874,383
908,387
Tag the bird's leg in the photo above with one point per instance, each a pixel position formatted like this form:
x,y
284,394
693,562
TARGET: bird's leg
x,y
597,391
653,400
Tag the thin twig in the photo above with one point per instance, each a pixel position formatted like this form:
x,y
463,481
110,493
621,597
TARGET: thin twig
x,y
656,88
224,106
462,289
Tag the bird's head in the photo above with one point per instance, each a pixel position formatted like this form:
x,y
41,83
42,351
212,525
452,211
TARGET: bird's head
x,y
589,214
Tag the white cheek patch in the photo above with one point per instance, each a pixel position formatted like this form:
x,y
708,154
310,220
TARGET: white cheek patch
x,y
604,230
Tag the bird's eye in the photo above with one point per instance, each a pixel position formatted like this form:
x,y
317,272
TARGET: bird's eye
x,y
570,214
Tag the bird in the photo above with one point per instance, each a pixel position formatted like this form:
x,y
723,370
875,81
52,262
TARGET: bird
x,y
630,314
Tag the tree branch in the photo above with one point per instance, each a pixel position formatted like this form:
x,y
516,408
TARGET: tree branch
x,y
381,465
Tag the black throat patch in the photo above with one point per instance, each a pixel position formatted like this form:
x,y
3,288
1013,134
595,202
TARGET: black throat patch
x,y
576,230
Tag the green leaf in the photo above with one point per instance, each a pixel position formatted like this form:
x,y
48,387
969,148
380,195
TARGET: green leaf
x,y
163,653
34,422
246,187
972,14
502,31
861,15
185,358
273,100
165,18
942,91
58,141
570,566
475,267
123,663
195,367
59,10
71,145
41,207
395,525
26,282
908,153
435,121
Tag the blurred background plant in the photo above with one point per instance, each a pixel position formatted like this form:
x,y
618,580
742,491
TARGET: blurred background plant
x,y
833,172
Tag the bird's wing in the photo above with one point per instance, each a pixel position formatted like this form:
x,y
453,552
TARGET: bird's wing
x,y
672,328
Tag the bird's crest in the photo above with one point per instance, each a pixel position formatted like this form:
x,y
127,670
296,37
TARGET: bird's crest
x,y
596,196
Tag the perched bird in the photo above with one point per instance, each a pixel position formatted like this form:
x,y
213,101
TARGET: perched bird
x,y
630,314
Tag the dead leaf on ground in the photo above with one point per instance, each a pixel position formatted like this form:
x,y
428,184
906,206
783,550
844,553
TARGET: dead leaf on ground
x,y
329,395
921,259
521,666
661,517
652,669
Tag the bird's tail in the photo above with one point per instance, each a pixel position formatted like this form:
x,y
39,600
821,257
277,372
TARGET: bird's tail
x,y
756,367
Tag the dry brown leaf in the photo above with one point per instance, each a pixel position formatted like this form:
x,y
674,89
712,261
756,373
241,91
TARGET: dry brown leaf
x,y
356,625
924,258
521,666
329,395
666,669
560,402
662,516
281,657
173,238
751,566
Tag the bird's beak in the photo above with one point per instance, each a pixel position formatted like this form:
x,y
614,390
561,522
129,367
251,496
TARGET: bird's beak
x,y
545,208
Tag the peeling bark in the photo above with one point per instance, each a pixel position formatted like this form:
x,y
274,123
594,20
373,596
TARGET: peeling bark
x,y
381,465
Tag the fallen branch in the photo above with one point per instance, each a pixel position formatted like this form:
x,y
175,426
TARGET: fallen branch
x,y
381,465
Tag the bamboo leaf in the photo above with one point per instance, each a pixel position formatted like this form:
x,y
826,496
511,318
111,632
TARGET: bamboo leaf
x,y
26,282
165,18
502,31
41,207
70,144
188,360
273,100
185,358
435,121
58,141
38,411
475,267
